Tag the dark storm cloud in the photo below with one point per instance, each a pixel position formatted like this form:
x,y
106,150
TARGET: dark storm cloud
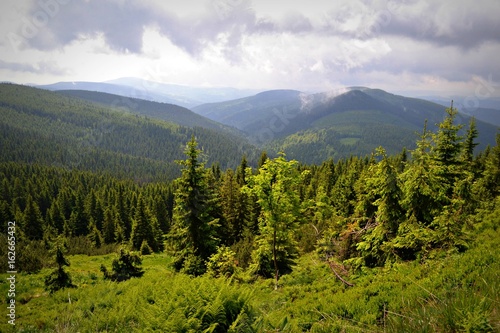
x,y
464,24
122,24
225,22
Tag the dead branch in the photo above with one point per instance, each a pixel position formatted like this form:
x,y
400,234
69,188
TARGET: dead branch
x,y
332,266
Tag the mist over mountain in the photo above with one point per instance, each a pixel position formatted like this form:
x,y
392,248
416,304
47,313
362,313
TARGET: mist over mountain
x,y
350,121
185,96
310,127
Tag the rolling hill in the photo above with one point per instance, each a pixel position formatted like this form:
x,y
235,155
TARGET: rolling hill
x,y
47,128
163,111
314,127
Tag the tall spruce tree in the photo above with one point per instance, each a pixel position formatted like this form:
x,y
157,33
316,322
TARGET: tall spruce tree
x,y
32,221
144,228
192,237
233,207
109,228
380,206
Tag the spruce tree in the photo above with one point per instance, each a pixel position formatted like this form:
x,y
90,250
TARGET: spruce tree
x,y
233,207
142,227
32,220
469,144
56,217
108,231
192,237
59,278
379,205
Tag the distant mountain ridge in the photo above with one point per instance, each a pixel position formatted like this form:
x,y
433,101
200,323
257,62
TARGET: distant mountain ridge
x,y
308,127
163,111
314,127
185,96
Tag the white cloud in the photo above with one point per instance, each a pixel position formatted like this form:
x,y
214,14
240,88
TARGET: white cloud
x,y
315,45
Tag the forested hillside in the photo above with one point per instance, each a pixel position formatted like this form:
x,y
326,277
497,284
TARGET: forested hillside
x,y
163,111
354,121
400,243
43,127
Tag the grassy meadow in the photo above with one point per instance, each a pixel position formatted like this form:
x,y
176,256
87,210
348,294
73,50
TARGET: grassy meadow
x,y
451,292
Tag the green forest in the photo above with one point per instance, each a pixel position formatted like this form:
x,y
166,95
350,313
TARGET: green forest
x,y
127,234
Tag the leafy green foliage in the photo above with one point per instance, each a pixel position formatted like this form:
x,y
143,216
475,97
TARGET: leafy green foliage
x,y
222,262
275,188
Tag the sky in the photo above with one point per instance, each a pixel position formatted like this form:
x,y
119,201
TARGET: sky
x,y
417,48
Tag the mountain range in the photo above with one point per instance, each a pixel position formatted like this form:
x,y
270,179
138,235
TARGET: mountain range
x,y
185,96
307,127
51,128
351,121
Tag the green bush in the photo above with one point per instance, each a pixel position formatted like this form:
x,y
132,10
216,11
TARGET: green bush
x,y
222,263
145,248
128,265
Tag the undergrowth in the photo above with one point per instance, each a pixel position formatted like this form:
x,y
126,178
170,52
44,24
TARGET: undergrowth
x,y
454,292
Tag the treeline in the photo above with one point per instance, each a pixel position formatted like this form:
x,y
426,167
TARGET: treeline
x,y
357,211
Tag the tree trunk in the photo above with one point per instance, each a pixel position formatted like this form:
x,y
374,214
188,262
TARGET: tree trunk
x,y
275,261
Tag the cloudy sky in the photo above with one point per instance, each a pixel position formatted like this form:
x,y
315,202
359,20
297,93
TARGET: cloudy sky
x,y
413,47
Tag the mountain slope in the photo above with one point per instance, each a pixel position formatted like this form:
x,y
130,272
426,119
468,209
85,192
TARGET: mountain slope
x,y
118,89
250,113
312,128
38,126
163,111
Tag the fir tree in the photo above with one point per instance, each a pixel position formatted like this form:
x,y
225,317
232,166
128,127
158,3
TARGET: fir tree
x,y
192,236
59,278
142,227
32,220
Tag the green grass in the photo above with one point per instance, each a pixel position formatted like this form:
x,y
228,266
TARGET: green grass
x,y
453,292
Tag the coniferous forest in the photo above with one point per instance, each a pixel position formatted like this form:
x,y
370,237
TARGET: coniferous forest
x,y
146,225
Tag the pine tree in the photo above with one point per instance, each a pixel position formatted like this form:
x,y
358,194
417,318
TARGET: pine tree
x,y
59,278
142,227
192,236
108,231
32,220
